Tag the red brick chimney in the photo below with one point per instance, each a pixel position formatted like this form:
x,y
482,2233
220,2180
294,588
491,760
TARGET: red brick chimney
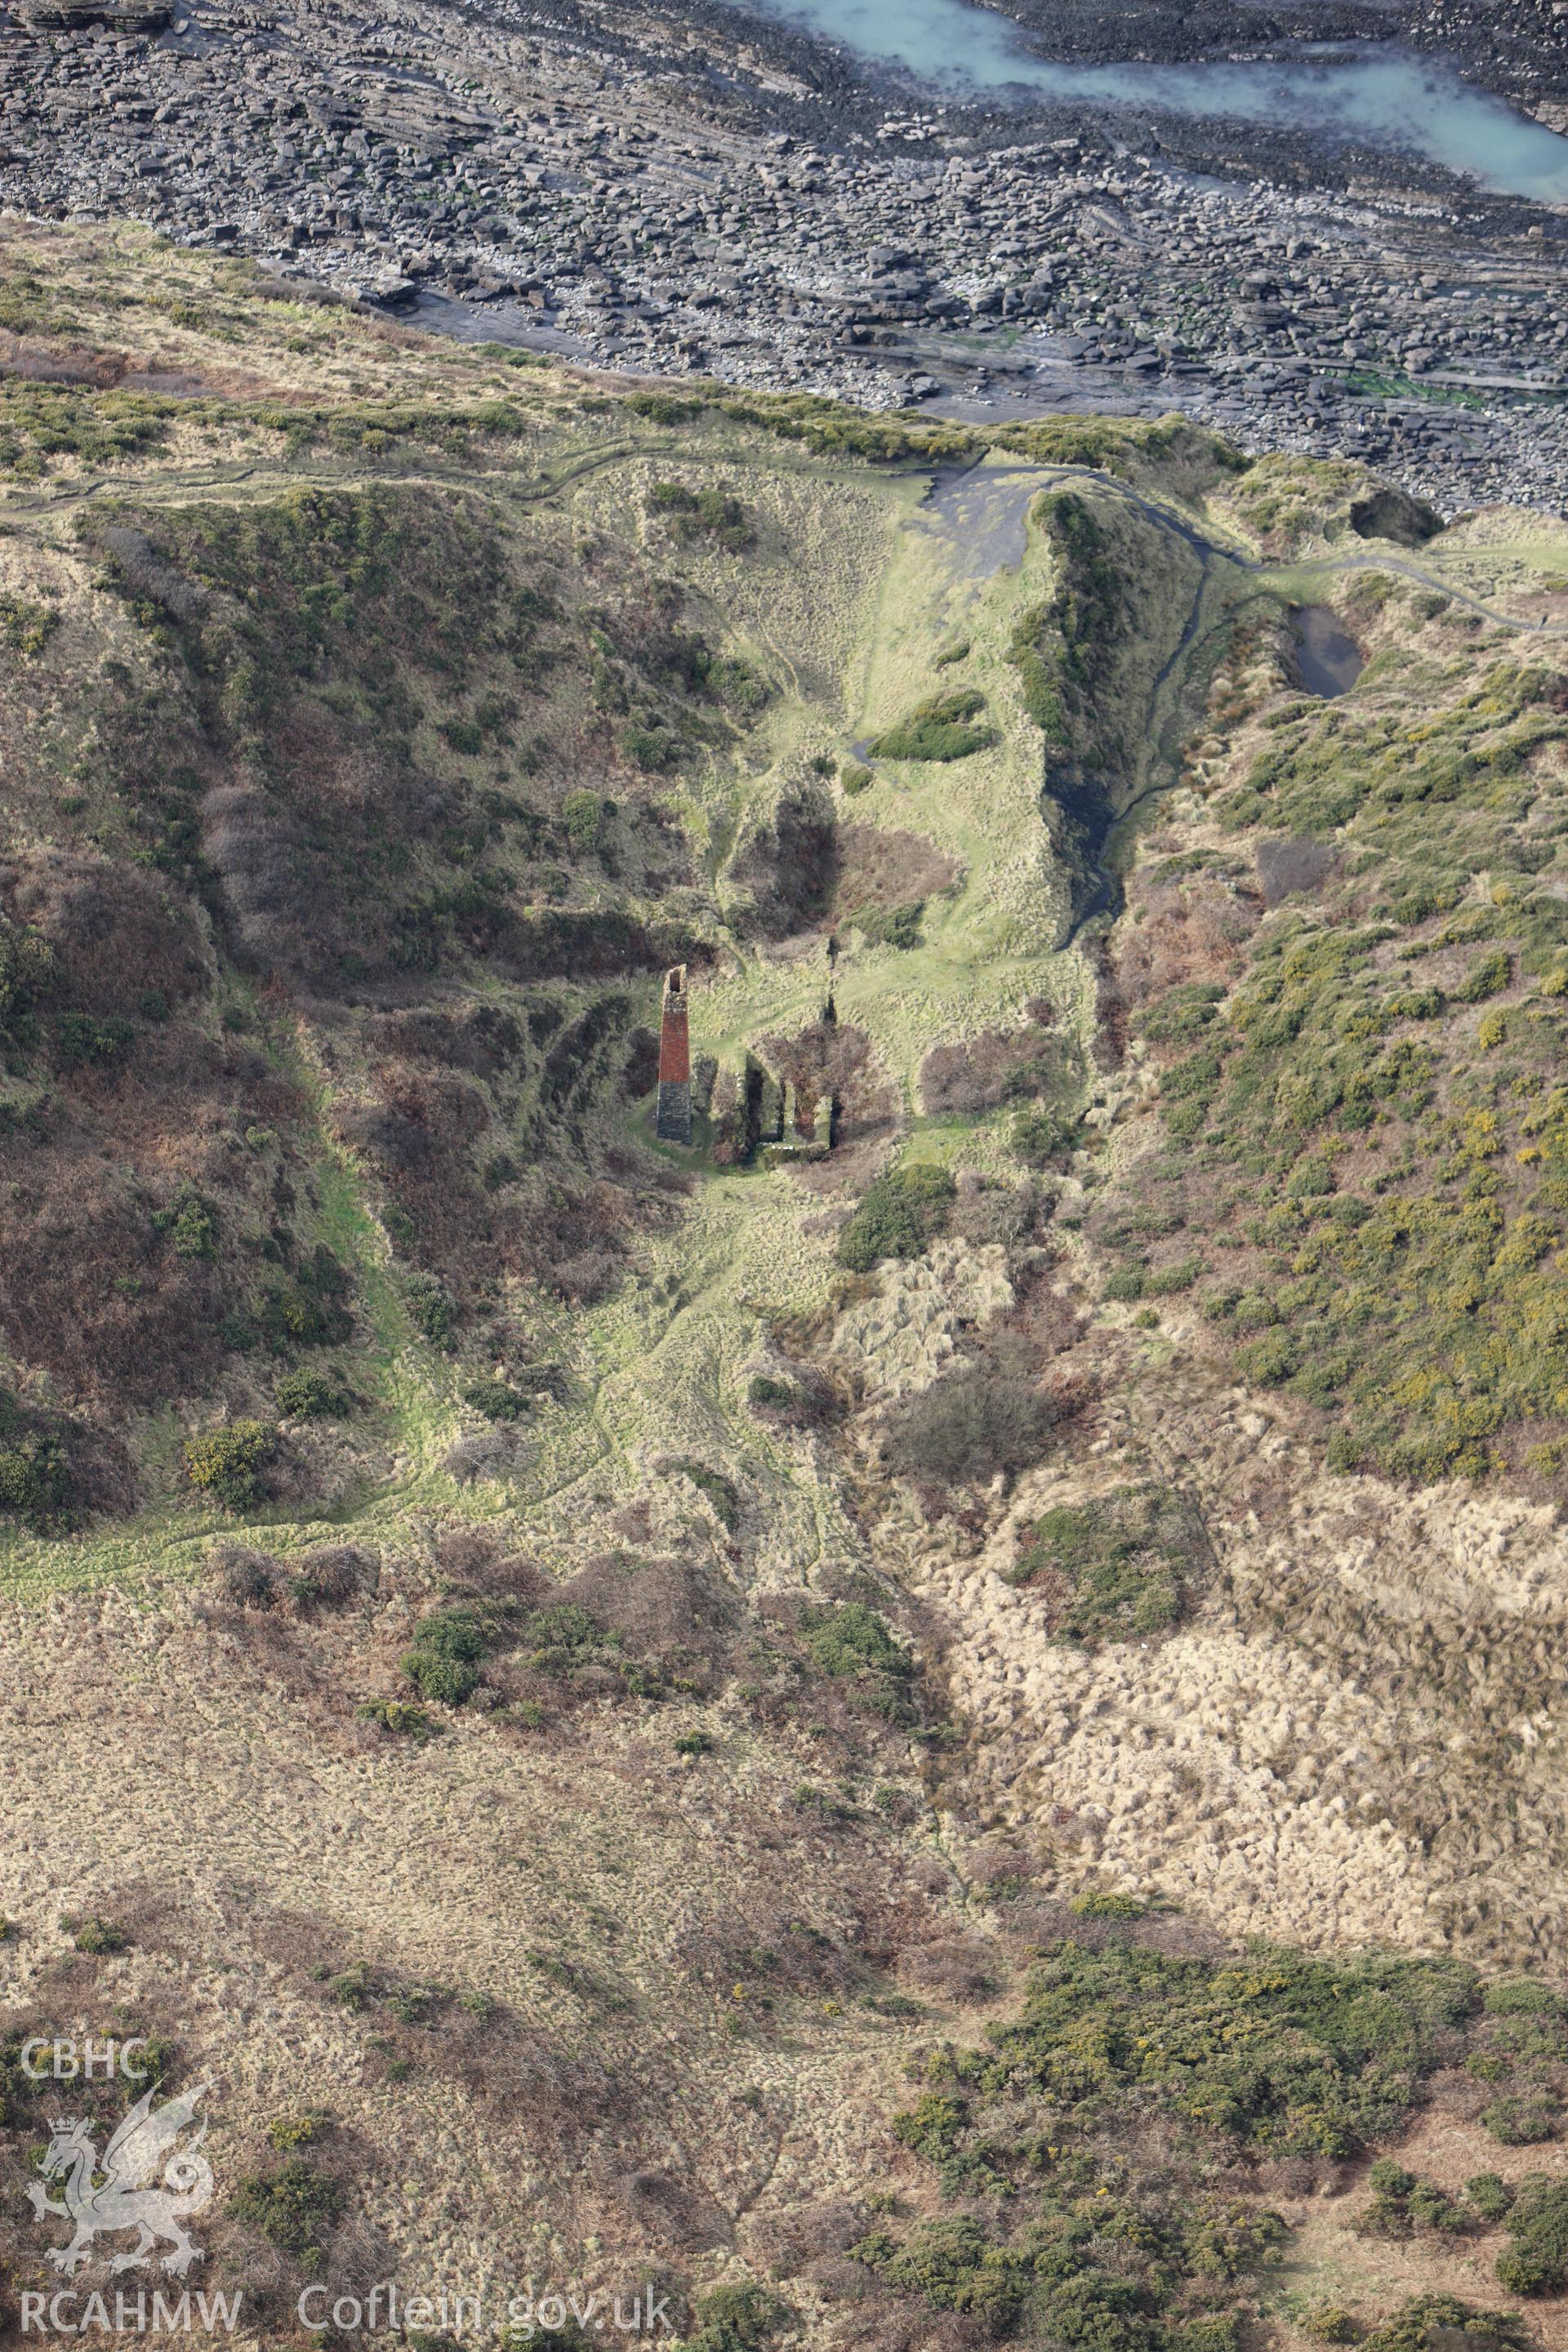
x,y
674,1120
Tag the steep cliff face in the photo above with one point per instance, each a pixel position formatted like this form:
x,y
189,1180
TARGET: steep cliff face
x,y
786,1643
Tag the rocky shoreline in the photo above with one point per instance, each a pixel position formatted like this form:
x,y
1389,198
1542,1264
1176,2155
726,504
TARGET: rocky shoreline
x,y
707,193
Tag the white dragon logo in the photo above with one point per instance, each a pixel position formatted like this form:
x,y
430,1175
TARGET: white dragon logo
x,y
121,2194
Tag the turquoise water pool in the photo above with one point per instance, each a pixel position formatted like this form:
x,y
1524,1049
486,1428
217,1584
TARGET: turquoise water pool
x,y
1377,96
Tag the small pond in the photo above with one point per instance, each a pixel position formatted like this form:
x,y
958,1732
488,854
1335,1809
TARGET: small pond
x,y
1330,661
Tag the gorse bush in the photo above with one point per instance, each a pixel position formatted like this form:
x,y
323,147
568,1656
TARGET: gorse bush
x,y
398,1715
850,1643
1523,2122
803,1403
893,926
933,2125
570,1646
898,1215
99,1937
1107,1903
296,2206
582,812
1489,2195
497,1398
561,1631
309,1310
1536,2260
955,2266
1041,1135
35,1482
1065,651
1123,1560
941,727
1484,979
189,1225
1400,1215
1442,2323
448,1648
432,1309
744,2317
847,1638
309,1395
1523,1997
720,1491
290,2132
1403,2204
1093,2226
1278,2051
27,974
86,1040
1521,2053
830,428
570,2336
648,748
226,1463
1115,445
27,627
666,408
1329,2323
709,513
42,422
1046,2282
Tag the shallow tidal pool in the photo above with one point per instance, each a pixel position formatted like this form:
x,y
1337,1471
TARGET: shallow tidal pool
x,y
1371,94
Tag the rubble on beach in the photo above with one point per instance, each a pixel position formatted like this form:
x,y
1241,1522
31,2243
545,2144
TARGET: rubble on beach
x,y
644,192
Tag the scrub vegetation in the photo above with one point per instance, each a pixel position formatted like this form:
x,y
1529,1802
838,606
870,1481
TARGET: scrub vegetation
x,y
1366,1134
1100,2153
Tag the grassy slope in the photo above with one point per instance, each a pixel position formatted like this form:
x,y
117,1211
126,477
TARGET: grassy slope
x,y
848,597
844,603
